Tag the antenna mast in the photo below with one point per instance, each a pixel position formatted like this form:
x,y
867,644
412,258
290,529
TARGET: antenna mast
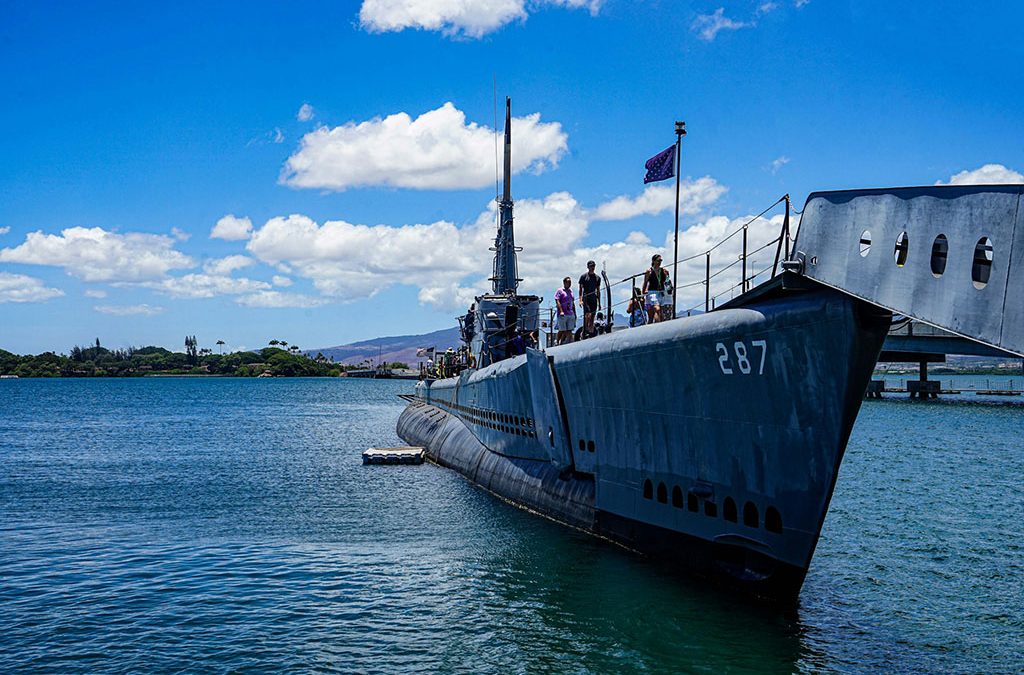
x,y
505,279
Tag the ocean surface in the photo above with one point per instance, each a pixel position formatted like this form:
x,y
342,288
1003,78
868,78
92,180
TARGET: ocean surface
x,y
227,525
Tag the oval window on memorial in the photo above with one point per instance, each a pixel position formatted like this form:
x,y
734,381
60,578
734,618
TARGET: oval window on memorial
x,y
902,249
940,251
865,243
981,269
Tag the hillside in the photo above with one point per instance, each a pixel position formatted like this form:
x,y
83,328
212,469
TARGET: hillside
x,y
393,348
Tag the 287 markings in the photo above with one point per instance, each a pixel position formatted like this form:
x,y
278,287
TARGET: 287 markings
x,y
742,357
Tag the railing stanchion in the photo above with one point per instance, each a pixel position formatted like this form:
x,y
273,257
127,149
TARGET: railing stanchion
x,y
707,281
743,279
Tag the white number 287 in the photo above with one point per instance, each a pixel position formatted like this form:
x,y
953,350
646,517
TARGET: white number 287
x,y
739,349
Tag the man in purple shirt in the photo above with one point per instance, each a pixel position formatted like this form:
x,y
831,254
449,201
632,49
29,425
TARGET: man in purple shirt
x,y
565,306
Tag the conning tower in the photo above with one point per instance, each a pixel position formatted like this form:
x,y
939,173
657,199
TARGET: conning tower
x,y
502,314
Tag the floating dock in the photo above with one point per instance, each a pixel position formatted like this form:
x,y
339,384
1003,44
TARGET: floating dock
x,y
402,455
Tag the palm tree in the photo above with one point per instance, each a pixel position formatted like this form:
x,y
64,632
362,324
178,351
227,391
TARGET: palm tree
x,y
274,343
220,343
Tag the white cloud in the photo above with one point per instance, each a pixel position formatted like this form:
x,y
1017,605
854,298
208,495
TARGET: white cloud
x,y
22,288
694,197
129,310
766,7
779,162
225,266
94,254
232,228
800,3
179,234
4,230
95,293
305,113
279,299
469,18
707,26
437,150
448,264
194,286
281,281
990,174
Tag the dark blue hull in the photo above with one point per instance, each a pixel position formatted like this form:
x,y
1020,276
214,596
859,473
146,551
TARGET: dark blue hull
x,y
712,442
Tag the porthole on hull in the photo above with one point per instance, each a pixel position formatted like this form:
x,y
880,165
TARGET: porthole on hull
x,y
648,489
662,493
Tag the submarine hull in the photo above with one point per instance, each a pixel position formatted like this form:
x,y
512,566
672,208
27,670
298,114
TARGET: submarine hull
x,y
710,442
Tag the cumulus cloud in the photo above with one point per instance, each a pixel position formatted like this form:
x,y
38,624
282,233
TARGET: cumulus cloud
x,y
23,288
279,299
990,174
708,26
305,113
95,293
194,286
232,228
694,197
779,162
449,264
129,310
281,281
94,254
225,266
468,18
437,150
4,230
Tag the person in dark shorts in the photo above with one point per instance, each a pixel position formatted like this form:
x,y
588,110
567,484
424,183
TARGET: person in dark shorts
x,y
590,298
655,280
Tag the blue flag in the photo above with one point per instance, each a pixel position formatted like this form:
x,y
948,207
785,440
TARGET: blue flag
x,y
661,166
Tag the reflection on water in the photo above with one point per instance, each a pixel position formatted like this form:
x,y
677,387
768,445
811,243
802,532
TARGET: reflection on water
x,y
228,524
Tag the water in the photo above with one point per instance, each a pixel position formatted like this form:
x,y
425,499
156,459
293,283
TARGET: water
x,y
228,525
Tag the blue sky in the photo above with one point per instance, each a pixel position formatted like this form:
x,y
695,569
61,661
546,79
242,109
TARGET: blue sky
x,y
132,129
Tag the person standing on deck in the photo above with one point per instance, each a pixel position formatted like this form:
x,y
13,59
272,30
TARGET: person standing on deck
x,y
590,298
655,279
565,305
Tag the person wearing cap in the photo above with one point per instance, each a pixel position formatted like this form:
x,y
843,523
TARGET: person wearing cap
x,y
655,279
590,297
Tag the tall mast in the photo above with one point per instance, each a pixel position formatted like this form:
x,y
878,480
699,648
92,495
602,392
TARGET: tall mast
x,y
505,279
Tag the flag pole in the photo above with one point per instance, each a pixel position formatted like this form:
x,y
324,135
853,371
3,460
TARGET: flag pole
x,y
680,132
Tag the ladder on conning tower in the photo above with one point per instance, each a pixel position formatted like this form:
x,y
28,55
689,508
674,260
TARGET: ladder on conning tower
x,y
949,256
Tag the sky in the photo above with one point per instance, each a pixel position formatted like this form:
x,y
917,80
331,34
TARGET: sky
x,y
324,173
